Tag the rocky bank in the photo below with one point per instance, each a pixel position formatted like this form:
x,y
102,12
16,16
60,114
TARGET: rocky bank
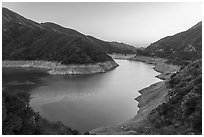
x,y
121,56
56,68
165,69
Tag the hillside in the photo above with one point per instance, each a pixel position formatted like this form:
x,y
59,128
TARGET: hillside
x,y
179,49
24,39
182,113
112,47
18,118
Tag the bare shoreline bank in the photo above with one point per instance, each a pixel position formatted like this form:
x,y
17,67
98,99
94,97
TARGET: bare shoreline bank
x,y
122,56
150,98
165,69
56,68
160,66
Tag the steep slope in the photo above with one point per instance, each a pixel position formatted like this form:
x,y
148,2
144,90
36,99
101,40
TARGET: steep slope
x,y
181,48
182,113
27,40
24,39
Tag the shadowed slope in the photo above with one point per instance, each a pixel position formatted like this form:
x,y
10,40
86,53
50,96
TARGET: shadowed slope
x,y
24,39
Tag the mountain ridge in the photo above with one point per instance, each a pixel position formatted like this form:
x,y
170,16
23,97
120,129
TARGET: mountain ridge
x,y
24,39
175,47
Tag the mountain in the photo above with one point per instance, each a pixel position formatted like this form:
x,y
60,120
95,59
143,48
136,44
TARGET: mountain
x,y
182,112
124,47
181,48
112,47
24,39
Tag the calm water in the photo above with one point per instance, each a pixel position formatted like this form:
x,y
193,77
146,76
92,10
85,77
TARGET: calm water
x,y
87,101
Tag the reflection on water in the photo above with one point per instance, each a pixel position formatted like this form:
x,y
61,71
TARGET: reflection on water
x,y
85,102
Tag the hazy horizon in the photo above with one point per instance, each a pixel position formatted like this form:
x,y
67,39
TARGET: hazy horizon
x,y
137,23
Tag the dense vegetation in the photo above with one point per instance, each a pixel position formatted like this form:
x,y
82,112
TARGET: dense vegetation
x,y
182,114
23,39
180,49
19,118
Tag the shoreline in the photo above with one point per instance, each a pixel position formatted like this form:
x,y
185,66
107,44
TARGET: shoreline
x,y
121,56
160,66
150,97
56,68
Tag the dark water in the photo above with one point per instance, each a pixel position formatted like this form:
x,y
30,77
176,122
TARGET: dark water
x,y
87,101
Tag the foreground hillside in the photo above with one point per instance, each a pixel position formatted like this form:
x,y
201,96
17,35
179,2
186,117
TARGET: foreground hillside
x,y
180,49
182,113
18,118
24,39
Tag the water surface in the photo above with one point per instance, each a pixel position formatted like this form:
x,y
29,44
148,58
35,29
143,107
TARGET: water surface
x,y
84,102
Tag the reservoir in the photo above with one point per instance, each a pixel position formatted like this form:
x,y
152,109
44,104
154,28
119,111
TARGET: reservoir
x,y
84,102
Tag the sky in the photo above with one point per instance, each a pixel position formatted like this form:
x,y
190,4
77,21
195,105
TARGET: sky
x,y
135,23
